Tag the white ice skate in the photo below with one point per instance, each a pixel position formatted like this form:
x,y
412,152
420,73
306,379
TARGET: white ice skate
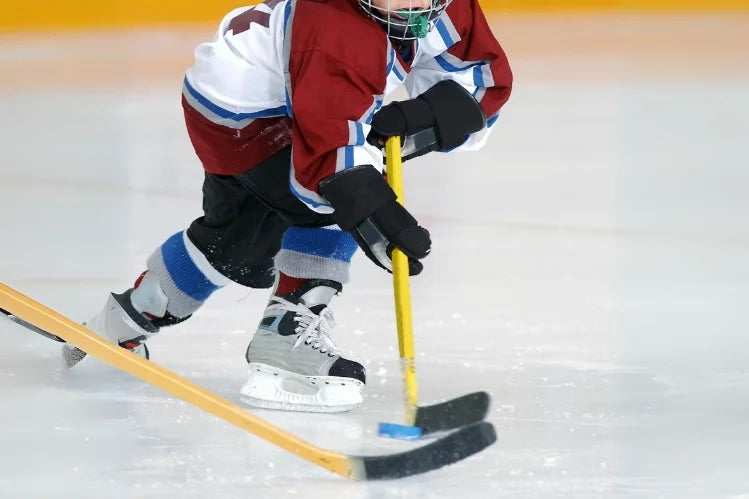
x,y
293,362
122,323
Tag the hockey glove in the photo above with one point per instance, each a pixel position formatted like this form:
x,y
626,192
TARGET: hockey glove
x,y
366,206
440,119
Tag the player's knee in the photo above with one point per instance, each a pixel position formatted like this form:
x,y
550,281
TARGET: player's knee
x,y
257,277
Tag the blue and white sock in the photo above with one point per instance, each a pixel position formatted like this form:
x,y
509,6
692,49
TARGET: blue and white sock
x,y
185,275
319,253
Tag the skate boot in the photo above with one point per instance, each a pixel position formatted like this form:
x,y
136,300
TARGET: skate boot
x,y
293,362
128,319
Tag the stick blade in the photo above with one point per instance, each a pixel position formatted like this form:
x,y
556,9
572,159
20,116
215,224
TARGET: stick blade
x,y
454,413
30,326
447,450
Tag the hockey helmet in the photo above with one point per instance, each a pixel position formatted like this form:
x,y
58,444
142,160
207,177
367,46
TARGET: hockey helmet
x,y
405,23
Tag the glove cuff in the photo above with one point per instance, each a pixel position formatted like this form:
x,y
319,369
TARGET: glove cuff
x,y
417,113
456,113
355,194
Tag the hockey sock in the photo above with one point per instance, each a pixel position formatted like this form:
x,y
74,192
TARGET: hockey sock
x,y
183,274
318,253
287,284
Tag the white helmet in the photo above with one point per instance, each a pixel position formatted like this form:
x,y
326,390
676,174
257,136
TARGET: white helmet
x,y
406,24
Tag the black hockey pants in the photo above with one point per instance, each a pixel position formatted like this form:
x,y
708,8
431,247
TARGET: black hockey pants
x,y
245,217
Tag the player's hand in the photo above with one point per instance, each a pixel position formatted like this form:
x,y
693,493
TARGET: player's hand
x,y
447,109
392,226
366,206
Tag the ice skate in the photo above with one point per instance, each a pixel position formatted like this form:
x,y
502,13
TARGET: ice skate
x,y
127,319
293,362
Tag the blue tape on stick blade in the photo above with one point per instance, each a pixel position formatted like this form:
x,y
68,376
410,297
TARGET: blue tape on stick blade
x,y
399,431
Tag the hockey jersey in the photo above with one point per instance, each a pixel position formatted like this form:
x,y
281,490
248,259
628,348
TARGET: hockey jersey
x,y
312,73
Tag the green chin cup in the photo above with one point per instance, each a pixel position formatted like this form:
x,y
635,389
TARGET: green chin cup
x,y
419,23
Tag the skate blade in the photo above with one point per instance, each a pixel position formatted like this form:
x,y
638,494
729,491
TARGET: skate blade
x,y
272,388
72,355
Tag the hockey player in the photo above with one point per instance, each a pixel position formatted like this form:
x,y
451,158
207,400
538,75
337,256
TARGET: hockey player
x,y
284,109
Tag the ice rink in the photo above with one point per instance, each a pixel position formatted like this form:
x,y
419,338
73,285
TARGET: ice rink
x,y
590,269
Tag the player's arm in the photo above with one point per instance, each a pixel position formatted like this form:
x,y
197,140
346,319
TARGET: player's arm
x,y
440,119
474,60
335,170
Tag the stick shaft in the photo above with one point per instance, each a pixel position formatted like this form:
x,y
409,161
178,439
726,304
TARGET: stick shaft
x,y
47,319
402,290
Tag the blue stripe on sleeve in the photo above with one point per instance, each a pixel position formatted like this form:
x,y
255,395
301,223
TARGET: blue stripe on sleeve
x,y
289,111
391,61
456,69
286,14
304,198
378,105
348,152
225,113
444,33
446,65
359,134
478,76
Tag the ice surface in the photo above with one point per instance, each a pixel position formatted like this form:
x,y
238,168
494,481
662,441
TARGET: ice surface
x,y
589,270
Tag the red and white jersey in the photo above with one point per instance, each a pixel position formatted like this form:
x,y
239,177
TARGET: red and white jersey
x,y
312,73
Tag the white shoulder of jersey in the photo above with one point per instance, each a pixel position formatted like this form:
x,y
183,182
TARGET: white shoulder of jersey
x,y
241,71
433,63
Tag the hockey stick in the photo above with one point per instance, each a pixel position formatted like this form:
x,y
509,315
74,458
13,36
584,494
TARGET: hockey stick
x,y
451,414
447,450
30,326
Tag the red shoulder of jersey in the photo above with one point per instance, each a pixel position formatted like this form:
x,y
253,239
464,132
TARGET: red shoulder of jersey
x,y
477,43
340,30
337,68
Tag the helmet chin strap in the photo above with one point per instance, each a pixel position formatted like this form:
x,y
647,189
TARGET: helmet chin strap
x,y
418,22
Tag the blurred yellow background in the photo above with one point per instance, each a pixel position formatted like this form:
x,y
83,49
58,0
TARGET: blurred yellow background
x,y
16,15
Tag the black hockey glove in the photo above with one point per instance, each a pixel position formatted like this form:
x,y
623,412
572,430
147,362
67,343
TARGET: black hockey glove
x,y
366,206
440,119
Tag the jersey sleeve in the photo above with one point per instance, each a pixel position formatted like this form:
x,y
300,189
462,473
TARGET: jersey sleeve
x,y
473,58
332,105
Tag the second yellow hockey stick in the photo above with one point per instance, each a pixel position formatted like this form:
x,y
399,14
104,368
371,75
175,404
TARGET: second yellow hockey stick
x,y
454,413
454,447
402,290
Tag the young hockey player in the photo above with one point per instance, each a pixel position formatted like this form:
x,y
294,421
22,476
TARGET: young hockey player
x,y
284,109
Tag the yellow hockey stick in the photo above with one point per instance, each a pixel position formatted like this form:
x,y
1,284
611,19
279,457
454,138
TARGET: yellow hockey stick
x,y
447,450
402,290
454,413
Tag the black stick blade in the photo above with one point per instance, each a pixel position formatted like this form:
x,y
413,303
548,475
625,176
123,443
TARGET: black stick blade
x,y
30,326
447,450
461,411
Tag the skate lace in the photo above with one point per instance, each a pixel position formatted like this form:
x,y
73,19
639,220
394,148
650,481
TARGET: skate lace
x,y
312,329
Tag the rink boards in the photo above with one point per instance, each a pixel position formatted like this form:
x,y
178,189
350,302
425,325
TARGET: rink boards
x,y
46,14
